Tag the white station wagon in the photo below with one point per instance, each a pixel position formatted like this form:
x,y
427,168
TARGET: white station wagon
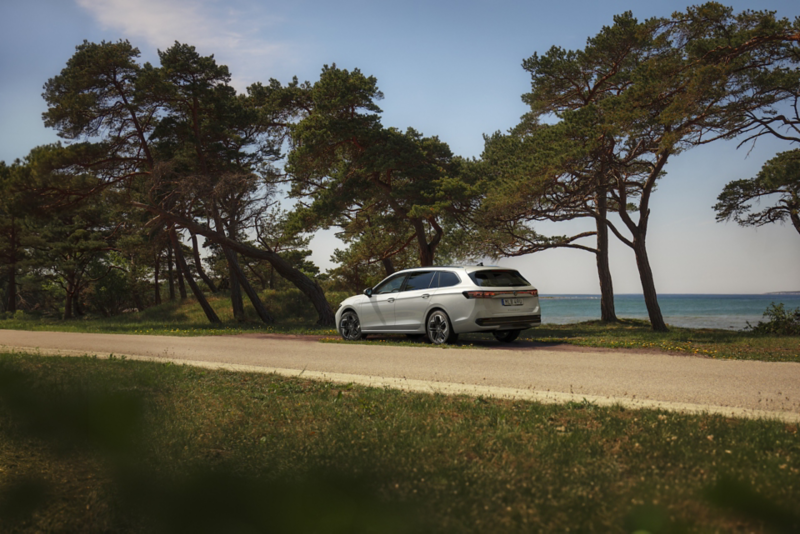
x,y
441,303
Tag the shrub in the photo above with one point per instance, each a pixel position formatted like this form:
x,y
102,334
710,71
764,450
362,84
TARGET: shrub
x,y
781,322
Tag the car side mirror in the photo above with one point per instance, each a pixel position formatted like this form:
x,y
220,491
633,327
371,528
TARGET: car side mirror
x,y
368,292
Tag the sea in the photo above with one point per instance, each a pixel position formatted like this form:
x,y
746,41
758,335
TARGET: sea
x,y
729,312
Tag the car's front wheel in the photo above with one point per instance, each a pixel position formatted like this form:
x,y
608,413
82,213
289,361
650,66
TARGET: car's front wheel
x,y
438,328
506,336
350,326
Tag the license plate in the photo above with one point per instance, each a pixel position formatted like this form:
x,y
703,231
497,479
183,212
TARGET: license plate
x,y
512,302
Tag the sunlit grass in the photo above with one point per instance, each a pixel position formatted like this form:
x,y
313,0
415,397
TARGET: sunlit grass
x,y
453,463
636,334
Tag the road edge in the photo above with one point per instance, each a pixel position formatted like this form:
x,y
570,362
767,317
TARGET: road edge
x,y
434,387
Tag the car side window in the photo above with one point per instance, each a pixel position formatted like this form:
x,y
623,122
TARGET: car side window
x,y
392,285
447,279
421,280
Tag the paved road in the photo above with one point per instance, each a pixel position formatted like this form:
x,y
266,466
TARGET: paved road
x,y
684,383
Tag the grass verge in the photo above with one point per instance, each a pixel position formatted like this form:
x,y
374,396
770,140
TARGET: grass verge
x,y
173,319
115,445
637,335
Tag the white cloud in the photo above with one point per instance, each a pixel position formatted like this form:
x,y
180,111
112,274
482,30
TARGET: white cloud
x,y
231,33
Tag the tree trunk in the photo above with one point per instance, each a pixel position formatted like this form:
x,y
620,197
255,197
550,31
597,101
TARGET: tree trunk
x,y
427,251
607,312
156,268
425,256
248,289
794,216
638,244
68,307
169,273
76,303
11,295
233,271
236,291
261,279
209,311
181,270
310,288
388,266
198,265
137,297
648,285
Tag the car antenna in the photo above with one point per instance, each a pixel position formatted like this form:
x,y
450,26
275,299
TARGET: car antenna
x,y
480,264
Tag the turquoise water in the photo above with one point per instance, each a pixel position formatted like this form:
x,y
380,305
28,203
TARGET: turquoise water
x,y
731,312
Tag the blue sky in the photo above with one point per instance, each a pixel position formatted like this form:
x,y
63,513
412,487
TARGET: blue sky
x,y
449,68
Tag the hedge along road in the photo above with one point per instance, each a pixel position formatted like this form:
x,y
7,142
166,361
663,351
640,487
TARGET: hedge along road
x,y
736,388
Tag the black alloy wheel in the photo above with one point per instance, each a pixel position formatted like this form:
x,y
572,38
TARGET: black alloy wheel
x,y
350,326
438,328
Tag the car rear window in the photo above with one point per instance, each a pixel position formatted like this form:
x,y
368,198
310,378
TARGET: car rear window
x,y
447,279
498,278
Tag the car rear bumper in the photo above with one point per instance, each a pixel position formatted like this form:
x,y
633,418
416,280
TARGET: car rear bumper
x,y
517,321
487,315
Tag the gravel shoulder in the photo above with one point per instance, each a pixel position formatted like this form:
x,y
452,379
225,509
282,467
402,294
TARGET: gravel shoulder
x,y
550,374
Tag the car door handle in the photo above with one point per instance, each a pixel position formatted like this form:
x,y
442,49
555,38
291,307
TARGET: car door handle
x,y
426,295
390,300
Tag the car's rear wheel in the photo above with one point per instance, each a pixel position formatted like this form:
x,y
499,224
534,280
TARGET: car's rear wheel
x,y
438,328
506,336
350,326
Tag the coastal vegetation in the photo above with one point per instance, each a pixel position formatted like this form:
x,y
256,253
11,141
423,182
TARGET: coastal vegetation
x,y
156,158
780,177
782,321
94,445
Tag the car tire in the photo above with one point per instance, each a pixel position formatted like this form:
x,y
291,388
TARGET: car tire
x,y
350,326
438,328
506,336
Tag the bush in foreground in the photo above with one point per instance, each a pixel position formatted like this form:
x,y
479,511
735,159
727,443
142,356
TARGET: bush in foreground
x,y
781,321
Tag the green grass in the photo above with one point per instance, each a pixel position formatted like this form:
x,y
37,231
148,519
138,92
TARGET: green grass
x,y
187,319
91,445
636,335
175,318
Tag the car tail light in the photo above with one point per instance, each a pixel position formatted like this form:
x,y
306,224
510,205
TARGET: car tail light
x,y
480,294
493,294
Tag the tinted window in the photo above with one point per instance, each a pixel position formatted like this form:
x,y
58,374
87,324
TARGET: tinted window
x,y
421,280
392,285
447,279
498,279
